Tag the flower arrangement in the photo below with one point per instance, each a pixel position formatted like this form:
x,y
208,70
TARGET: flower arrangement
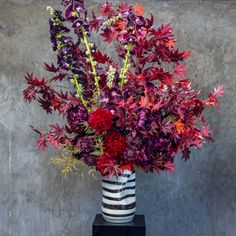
x,y
137,112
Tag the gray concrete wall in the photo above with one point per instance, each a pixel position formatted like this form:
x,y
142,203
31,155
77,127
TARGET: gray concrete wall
x,y
198,200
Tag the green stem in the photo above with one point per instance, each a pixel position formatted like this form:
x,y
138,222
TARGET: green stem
x,y
79,93
92,62
125,67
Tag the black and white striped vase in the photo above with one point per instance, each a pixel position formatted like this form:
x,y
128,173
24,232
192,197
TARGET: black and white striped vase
x,y
119,200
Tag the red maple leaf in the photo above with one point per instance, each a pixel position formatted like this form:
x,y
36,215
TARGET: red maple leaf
x,y
218,91
50,68
29,94
100,58
139,9
158,105
42,143
107,165
39,131
109,35
163,52
164,32
149,22
59,77
186,153
180,70
106,8
124,7
146,103
179,126
121,24
206,132
169,166
176,56
45,104
171,43
94,23
33,80
186,54
56,131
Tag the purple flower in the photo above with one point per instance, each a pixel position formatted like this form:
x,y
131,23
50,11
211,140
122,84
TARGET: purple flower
x,y
110,97
89,159
65,2
76,115
74,11
84,143
78,25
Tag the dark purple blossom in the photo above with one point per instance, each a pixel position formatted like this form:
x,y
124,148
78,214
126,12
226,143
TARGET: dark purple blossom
x,y
76,115
74,11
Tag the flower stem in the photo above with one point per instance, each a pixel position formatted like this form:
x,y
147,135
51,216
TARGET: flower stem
x,y
125,67
92,62
79,93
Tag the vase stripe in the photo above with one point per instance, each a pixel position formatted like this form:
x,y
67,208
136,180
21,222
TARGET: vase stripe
x,y
119,194
117,190
116,187
117,183
121,215
119,207
125,201
118,212
118,199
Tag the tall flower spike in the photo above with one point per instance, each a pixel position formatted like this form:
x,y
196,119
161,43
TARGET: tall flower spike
x,y
50,10
92,62
79,90
110,76
125,67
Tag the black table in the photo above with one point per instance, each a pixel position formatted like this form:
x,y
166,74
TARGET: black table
x,y
136,227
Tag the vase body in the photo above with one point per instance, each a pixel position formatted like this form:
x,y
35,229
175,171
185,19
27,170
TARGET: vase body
x,y
119,199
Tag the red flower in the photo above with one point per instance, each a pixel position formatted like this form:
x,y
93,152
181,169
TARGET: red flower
x,y
100,120
107,165
115,143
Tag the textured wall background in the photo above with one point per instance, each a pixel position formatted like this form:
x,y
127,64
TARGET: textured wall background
x,y
198,200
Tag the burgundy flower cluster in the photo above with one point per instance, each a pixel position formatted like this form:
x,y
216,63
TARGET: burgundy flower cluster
x,y
141,112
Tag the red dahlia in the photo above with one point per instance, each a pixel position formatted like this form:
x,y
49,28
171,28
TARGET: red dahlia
x,y
115,143
100,120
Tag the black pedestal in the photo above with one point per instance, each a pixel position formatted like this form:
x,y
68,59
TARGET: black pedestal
x,y
136,227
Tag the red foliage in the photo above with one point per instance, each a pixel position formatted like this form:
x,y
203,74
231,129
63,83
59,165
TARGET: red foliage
x,y
51,68
109,35
107,165
100,58
139,9
106,8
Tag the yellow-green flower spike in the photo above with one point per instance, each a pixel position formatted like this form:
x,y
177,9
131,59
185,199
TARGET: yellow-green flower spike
x,y
125,67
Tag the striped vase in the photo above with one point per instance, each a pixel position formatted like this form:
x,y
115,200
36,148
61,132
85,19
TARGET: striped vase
x,y
119,200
